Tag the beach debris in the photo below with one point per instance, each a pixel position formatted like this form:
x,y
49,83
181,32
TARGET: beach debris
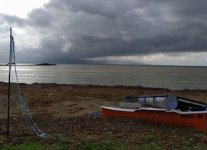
x,y
49,94
94,115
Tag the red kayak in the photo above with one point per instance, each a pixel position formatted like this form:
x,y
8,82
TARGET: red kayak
x,y
186,113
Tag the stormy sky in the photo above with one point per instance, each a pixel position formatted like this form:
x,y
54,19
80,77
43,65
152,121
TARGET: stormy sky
x,y
160,32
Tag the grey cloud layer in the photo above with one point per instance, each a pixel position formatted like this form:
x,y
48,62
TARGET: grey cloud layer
x,y
73,30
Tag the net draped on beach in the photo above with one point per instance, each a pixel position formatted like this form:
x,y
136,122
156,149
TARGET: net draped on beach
x,y
23,107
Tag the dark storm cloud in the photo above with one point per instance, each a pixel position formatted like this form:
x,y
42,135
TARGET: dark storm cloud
x,y
108,8
40,18
74,30
14,20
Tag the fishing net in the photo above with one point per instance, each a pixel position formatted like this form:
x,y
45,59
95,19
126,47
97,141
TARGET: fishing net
x,y
23,107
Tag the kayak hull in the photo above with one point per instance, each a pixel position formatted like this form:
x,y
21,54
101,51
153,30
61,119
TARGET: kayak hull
x,y
197,120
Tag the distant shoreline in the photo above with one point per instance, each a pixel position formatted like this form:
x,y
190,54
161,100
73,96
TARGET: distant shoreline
x,y
45,64
147,65
41,64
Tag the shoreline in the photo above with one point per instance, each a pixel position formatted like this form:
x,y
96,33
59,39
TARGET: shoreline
x,y
126,87
77,100
97,85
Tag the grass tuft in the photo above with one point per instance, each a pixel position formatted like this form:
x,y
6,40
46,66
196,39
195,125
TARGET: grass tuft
x,y
33,146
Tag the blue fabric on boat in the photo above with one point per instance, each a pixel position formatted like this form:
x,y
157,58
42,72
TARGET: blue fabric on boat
x,y
164,102
94,115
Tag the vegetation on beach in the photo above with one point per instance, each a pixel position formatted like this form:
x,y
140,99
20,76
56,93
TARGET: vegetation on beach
x,y
149,142
33,146
37,145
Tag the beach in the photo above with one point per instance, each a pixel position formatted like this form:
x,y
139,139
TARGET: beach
x,y
62,111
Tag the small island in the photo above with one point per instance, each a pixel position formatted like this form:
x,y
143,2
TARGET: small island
x,y
45,64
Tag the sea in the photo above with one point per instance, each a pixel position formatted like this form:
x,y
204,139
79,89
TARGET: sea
x,y
171,77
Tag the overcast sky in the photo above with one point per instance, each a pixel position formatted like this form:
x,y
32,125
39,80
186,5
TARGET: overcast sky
x,y
160,32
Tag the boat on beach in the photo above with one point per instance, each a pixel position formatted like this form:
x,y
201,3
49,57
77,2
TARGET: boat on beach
x,y
168,110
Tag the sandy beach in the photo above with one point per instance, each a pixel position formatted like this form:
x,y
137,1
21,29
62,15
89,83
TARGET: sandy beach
x,y
62,110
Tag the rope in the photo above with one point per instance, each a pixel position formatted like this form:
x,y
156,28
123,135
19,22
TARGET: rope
x,y
24,109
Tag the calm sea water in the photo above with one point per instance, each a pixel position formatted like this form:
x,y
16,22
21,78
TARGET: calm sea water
x,y
148,76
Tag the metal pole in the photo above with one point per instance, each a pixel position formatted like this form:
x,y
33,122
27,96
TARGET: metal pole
x,y
9,82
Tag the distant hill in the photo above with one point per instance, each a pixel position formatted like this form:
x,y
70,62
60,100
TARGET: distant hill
x,y
45,64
